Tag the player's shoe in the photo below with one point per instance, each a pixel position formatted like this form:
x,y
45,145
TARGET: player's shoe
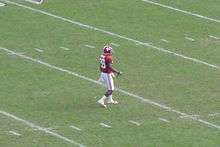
x,y
102,104
113,102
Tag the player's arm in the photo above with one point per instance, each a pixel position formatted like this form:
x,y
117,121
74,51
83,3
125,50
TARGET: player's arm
x,y
109,65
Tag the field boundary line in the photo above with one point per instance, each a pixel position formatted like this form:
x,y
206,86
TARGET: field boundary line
x,y
34,126
162,106
115,35
183,11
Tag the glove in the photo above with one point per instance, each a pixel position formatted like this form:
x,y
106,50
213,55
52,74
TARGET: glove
x,y
119,73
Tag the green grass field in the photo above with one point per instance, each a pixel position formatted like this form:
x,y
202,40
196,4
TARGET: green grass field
x,y
174,96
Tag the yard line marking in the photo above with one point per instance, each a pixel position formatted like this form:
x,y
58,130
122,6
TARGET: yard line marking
x,y
164,120
214,114
32,125
39,50
76,128
65,48
104,125
189,38
115,35
213,37
115,44
189,116
183,11
49,65
134,122
21,53
50,128
89,46
35,2
14,133
167,108
162,106
164,40
2,4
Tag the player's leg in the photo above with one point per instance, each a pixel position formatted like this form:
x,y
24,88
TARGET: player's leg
x,y
104,98
102,101
110,100
110,86
104,79
107,97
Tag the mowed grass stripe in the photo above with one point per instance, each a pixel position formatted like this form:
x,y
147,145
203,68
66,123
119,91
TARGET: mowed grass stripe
x,y
166,108
116,35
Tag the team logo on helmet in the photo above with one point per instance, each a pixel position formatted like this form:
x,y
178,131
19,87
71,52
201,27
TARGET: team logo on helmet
x,y
107,49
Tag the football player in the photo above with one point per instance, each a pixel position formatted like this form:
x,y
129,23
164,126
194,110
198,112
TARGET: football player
x,y
107,74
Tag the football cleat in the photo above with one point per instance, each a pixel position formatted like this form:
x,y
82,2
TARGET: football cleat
x,y
113,102
102,105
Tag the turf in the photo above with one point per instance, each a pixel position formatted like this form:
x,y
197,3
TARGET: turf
x,y
54,99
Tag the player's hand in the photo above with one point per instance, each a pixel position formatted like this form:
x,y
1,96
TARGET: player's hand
x,y
119,73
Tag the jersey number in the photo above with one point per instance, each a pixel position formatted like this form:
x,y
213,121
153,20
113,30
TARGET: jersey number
x,y
102,63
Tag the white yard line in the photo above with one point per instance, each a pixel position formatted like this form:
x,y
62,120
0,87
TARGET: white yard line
x,y
21,53
114,34
166,108
35,2
14,133
34,126
164,120
214,37
50,128
134,122
39,50
65,48
74,127
183,11
105,125
2,4
89,46
214,114
190,116
189,38
115,44
164,40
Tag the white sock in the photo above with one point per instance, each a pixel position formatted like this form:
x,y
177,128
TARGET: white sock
x,y
110,100
102,100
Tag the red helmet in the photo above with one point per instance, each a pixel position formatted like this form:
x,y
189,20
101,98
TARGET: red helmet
x,y
107,49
